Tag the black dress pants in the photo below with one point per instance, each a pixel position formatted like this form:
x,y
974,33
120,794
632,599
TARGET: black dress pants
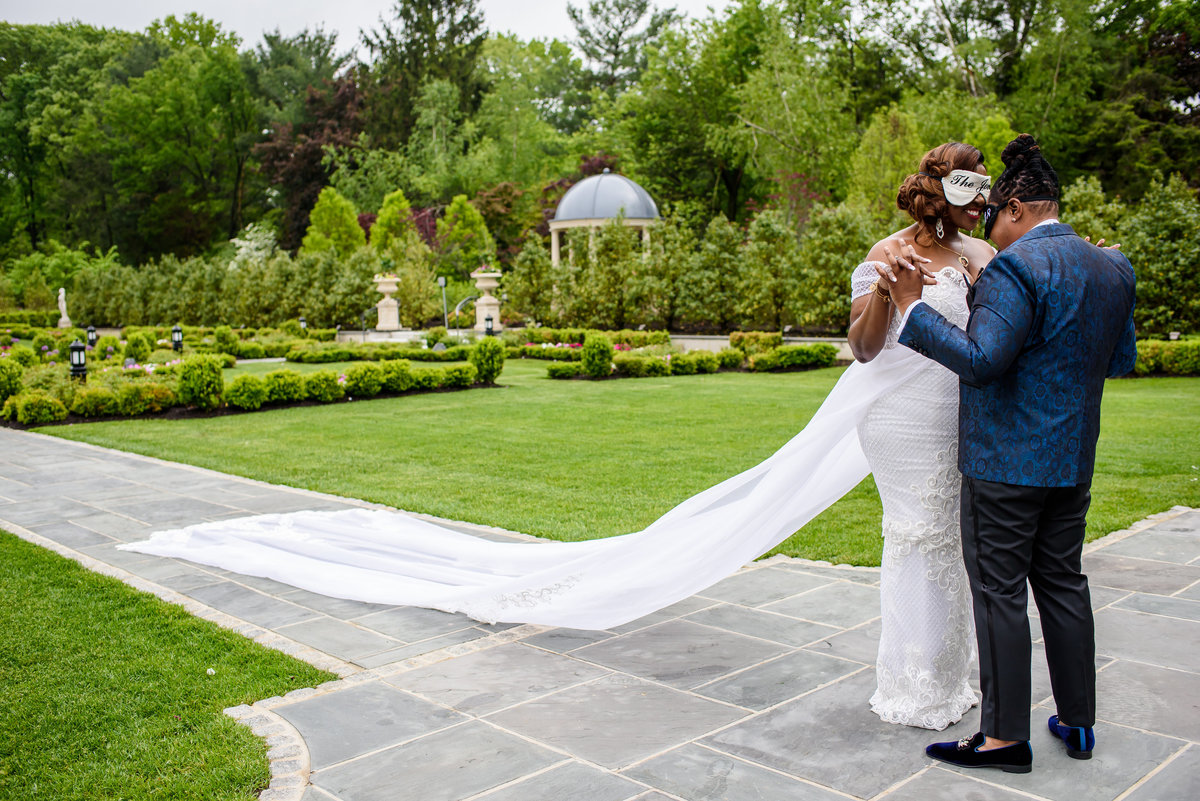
x,y
1012,534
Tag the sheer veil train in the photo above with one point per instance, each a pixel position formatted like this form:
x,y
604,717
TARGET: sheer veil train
x,y
389,557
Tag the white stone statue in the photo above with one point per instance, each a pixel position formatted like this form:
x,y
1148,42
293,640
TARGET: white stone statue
x,y
63,321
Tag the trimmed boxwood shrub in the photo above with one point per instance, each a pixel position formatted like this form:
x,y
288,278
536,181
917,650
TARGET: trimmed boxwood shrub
x,y
34,407
138,347
23,356
107,347
10,378
752,342
226,341
430,378
683,364
141,397
550,354
488,358
397,375
564,370
251,350
730,358
639,366
795,357
364,380
459,375
1181,358
706,361
284,386
597,357
200,382
323,386
246,392
94,402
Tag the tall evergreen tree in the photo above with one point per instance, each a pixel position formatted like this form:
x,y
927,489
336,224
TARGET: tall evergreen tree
x,y
426,40
613,38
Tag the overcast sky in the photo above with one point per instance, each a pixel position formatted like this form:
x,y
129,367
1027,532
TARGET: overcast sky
x,y
528,19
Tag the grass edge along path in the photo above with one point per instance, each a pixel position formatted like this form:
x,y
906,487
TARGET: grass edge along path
x,y
107,695
577,460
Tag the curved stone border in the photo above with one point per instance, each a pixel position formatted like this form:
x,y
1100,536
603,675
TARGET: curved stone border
x,y
1140,525
250,631
287,752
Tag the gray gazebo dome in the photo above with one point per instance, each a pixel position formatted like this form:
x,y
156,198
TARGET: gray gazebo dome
x,y
595,200
604,196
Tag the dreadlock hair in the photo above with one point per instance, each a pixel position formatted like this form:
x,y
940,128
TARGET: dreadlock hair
x,y
1026,174
921,194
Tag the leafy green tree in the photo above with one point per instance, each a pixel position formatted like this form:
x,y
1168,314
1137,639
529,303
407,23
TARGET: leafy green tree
x,y
530,284
1161,237
772,276
795,114
333,226
660,286
713,293
1089,212
394,221
833,234
283,69
613,37
426,40
293,156
890,150
463,240
37,294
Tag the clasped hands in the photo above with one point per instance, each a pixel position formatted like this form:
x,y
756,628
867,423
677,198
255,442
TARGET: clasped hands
x,y
905,274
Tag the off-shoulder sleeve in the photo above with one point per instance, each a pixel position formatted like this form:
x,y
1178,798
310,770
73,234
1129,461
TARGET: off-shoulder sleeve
x,y
861,279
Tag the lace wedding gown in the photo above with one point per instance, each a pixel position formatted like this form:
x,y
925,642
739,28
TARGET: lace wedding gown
x,y
910,437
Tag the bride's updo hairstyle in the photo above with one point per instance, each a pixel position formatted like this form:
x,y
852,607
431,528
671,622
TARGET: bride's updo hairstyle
x,y
1026,174
921,194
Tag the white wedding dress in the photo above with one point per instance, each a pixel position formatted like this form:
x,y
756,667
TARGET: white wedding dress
x,y
910,437
390,557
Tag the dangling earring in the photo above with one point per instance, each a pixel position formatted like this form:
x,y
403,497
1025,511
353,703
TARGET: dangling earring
x,y
941,232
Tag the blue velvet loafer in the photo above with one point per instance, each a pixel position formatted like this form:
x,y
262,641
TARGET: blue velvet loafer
x,y
1016,758
1080,740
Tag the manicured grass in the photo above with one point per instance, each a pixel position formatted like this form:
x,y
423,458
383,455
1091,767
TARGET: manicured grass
x,y
576,459
262,368
106,692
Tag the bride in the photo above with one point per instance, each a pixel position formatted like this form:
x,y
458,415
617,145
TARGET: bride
x,y
389,557
910,437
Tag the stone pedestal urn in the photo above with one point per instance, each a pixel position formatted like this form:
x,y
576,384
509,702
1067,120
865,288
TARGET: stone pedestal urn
x,y
488,305
389,307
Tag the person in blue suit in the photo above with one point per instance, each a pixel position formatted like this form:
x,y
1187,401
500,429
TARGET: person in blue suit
x,y
1051,317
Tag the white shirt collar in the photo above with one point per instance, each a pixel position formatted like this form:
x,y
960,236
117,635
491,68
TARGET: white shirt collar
x,y
1051,221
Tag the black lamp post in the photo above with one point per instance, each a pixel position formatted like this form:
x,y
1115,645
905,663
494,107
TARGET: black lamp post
x,y
487,326
78,353
303,326
445,317
177,339
91,336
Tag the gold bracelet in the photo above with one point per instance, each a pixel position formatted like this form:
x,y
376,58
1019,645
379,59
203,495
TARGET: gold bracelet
x,y
887,298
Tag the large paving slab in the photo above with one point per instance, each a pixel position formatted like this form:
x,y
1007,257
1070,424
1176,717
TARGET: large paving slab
x,y
755,689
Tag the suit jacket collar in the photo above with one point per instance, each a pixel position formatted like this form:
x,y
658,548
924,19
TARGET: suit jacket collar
x,y
1055,229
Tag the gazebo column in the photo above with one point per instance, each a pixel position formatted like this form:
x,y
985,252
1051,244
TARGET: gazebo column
x,y
555,246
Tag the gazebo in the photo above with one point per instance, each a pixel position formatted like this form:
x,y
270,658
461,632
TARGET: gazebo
x,y
597,199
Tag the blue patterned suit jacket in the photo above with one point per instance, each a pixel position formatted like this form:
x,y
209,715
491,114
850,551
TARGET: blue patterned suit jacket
x,y
1051,317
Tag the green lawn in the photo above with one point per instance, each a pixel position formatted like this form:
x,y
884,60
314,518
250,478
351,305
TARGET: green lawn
x,y
106,692
575,459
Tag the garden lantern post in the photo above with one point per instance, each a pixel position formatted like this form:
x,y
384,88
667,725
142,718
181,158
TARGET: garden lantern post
x,y
445,316
303,326
78,353
487,326
91,336
177,338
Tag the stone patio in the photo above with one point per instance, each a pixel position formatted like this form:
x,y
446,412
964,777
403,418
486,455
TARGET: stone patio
x,y
755,689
